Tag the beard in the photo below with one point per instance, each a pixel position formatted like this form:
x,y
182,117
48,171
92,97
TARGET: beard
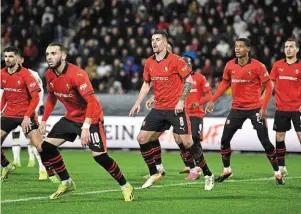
x,y
56,65
10,64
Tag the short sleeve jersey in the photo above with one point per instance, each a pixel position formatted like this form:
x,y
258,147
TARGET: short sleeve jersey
x,y
246,83
17,88
200,86
167,78
70,88
287,79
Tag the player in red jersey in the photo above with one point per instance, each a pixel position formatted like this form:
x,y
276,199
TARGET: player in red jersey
x,y
194,107
286,76
84,117
245,75
154,141
18,102
172,81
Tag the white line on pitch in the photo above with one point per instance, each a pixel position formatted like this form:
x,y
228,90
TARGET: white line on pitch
x,y
139,188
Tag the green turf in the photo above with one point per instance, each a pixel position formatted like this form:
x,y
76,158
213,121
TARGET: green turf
x,y
247,193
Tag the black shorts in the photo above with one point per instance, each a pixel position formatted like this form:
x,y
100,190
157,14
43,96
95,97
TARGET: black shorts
x,y
10,123
69,130
196,127
236,118
157,119
282,121
166,127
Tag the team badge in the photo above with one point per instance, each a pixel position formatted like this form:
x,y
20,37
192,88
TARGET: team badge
x,y
19,82
67,86
228,122
51,84
32,85
165,69
194,82
249,73
297,71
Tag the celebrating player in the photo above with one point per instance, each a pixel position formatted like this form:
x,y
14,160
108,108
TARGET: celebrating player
x,y
245,75
286,75
166,71
84,117
19,100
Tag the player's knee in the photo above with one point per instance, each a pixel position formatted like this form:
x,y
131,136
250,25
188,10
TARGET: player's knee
x,y
280,136
187,141
178,139
47,147
142,139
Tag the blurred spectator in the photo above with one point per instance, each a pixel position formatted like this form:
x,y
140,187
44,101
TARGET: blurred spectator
x,y
117,34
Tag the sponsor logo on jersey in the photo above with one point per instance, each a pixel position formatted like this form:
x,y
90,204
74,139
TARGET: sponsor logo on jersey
x,y
240,80
33,84
4,81
194,90
63,95
51,84
79,74
12,90
83,86
185,68
159,78
233,72
288,78
280,69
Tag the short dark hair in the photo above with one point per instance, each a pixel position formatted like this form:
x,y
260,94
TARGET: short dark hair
x,y
162,32
245,40
293,40
16,50
62,47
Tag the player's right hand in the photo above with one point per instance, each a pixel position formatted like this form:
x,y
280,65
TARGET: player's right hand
x,y
209,107
85,138
135,108
26,127
149,103
42,127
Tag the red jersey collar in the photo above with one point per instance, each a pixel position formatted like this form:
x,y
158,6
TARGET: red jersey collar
x,y
249,61
64,70
297,61
19,69
165,57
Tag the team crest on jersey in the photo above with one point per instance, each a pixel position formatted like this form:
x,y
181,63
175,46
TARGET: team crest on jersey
x,y
194,82
51,84
32,85
18,82
165,69
297,71
249,73
228,122
68,86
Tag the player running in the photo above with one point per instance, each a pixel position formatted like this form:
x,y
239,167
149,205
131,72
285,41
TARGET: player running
x,y
18,102
286,77
84,117
245,75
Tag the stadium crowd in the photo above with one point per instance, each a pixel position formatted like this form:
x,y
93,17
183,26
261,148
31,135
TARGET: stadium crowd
x,y
110,39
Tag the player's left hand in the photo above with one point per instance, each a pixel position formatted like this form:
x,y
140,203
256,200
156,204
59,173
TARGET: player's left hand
x,y
263,114
179,107
26,127
85,138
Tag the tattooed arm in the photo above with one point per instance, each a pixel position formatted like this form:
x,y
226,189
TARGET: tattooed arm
x,y
187,87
